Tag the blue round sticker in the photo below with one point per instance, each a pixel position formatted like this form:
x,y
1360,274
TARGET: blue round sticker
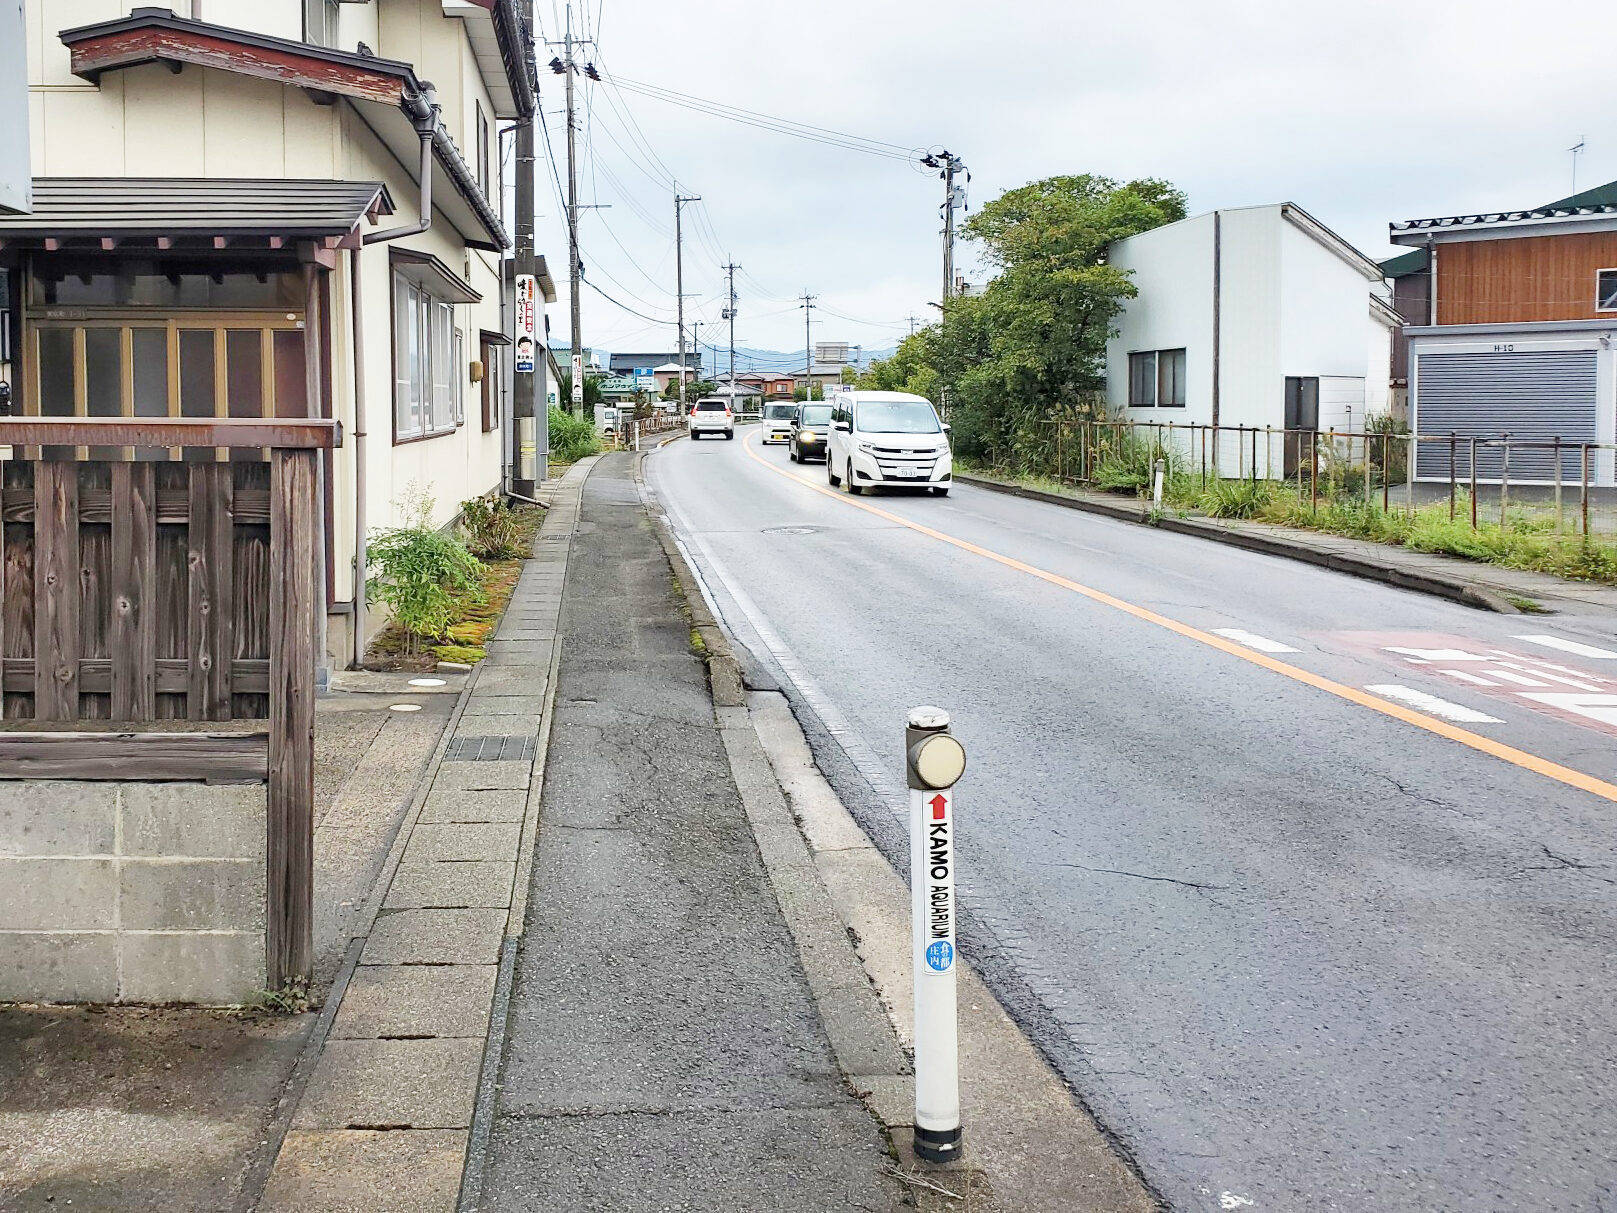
x,y
940,955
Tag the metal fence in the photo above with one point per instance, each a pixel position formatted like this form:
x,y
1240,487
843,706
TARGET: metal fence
x,y
1499,479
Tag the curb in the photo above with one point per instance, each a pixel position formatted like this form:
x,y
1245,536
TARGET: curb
x,y
1466,593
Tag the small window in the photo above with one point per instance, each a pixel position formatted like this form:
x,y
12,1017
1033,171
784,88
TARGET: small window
x,y
483,180
425,396
1606,291
1143,380
1171,379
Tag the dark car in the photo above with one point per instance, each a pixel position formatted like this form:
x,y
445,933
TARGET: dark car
x,y
809,432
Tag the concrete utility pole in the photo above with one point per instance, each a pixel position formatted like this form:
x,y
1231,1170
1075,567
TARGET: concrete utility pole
x,y
950,164
679,285
573,273
808,349
729,314
914,320
525,387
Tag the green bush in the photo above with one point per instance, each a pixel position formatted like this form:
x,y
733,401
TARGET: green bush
x,y
420,572
492,531
572,437
1125,462
1236,498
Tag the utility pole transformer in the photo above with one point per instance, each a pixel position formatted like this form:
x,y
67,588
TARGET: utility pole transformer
x,y
950,164
679,285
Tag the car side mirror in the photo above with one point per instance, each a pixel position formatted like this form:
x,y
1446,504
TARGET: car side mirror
x,y
947,428
845,427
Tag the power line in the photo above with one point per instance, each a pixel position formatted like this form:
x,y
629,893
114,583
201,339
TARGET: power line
x,y
782,126
624,306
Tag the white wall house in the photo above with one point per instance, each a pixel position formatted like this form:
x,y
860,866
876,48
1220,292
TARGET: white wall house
x,y
231,208
1255,316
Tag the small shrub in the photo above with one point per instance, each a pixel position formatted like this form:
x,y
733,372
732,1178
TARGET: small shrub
x,y
1236,498
420,574
572,436
492,531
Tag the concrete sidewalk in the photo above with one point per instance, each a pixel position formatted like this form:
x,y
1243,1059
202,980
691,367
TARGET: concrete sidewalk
x,y
664,1049
386,1119
1485,586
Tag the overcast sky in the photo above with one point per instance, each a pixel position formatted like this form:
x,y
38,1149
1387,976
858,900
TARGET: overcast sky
x,y
1361,113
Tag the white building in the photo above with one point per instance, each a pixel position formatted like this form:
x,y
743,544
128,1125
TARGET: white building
x,y
1255,316
232,218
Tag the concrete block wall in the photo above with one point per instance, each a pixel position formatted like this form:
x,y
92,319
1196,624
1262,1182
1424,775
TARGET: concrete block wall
x,y
131,892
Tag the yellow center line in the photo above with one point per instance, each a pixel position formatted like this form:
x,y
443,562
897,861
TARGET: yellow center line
x,y
1476,741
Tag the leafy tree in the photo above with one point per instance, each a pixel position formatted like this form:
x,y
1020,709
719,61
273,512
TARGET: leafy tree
x,y
813,391
695,389
592,392
850,375
1033,344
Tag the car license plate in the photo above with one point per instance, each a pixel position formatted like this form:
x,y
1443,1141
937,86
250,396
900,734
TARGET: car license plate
x,y
911,473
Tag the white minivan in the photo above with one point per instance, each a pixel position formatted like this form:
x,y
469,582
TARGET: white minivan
x,y
887,438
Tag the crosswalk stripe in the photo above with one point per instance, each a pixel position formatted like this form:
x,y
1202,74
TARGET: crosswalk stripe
x,y
1570,646
1432,704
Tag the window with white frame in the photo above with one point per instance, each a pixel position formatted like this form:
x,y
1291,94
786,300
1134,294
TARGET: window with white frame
x,y
424,382
1606,290
1143,380
1157,379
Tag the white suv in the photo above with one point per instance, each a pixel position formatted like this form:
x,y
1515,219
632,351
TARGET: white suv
x,y
710,415
888,438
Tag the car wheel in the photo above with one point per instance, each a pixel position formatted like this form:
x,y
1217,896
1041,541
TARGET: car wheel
x,y
853,487
728,434
831,476
941,492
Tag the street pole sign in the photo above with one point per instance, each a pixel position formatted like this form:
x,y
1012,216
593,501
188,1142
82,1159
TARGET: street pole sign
x,y
578,377
527,323
935,762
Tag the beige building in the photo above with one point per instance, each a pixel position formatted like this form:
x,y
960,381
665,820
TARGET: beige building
x,y
288,207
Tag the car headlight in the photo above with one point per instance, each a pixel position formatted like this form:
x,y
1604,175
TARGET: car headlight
x,y
868,448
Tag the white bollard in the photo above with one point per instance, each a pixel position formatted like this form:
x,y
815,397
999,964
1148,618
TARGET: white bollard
x,y
1158,468
934,762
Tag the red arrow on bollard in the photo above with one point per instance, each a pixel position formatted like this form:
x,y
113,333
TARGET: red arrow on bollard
x,y
939,804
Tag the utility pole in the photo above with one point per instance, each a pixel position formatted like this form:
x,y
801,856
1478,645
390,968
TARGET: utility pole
x,y
573,273
808,347
525,466
729,314
679,284
913,322
696,345
950,164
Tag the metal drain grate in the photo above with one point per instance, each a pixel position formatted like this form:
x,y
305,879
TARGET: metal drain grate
x,y
490,749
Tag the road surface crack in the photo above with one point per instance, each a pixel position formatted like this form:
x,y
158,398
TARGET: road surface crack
x,y
1199,886
1560,863
1433,801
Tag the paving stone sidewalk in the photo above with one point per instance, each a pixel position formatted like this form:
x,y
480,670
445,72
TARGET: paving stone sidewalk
x,y
385,1120
663,1048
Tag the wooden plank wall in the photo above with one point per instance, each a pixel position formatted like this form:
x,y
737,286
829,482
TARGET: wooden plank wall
x,y
1534,278
134,590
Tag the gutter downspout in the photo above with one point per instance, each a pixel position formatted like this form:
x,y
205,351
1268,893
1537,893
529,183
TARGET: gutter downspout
x,y
428,126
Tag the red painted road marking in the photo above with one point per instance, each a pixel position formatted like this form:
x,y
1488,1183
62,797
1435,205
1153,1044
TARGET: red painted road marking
x,y
1546,685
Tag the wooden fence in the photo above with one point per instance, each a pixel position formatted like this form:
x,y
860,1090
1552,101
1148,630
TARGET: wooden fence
x,y
137,590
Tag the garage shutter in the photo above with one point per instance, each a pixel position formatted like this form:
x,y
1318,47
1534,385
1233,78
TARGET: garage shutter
x,y
1533,395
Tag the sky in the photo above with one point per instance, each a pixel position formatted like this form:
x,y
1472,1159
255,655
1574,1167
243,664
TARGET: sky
x,y
1361,113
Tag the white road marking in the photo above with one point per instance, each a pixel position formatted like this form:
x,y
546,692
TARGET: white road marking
x,y
1599,708
1521,680
1253,641
1471,678
1431,703
1570,646
1427,656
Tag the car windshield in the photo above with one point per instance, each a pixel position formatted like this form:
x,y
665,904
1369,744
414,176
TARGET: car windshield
x,y
779,412
817,414
897,417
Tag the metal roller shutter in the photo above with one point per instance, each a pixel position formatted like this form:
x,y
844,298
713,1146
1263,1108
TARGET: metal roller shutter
x,y
1531,395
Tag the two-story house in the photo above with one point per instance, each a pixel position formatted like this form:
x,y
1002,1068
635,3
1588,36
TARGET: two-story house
x,y
1520,310
285,208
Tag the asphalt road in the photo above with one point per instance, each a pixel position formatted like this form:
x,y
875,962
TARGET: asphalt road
x,y
1298,944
